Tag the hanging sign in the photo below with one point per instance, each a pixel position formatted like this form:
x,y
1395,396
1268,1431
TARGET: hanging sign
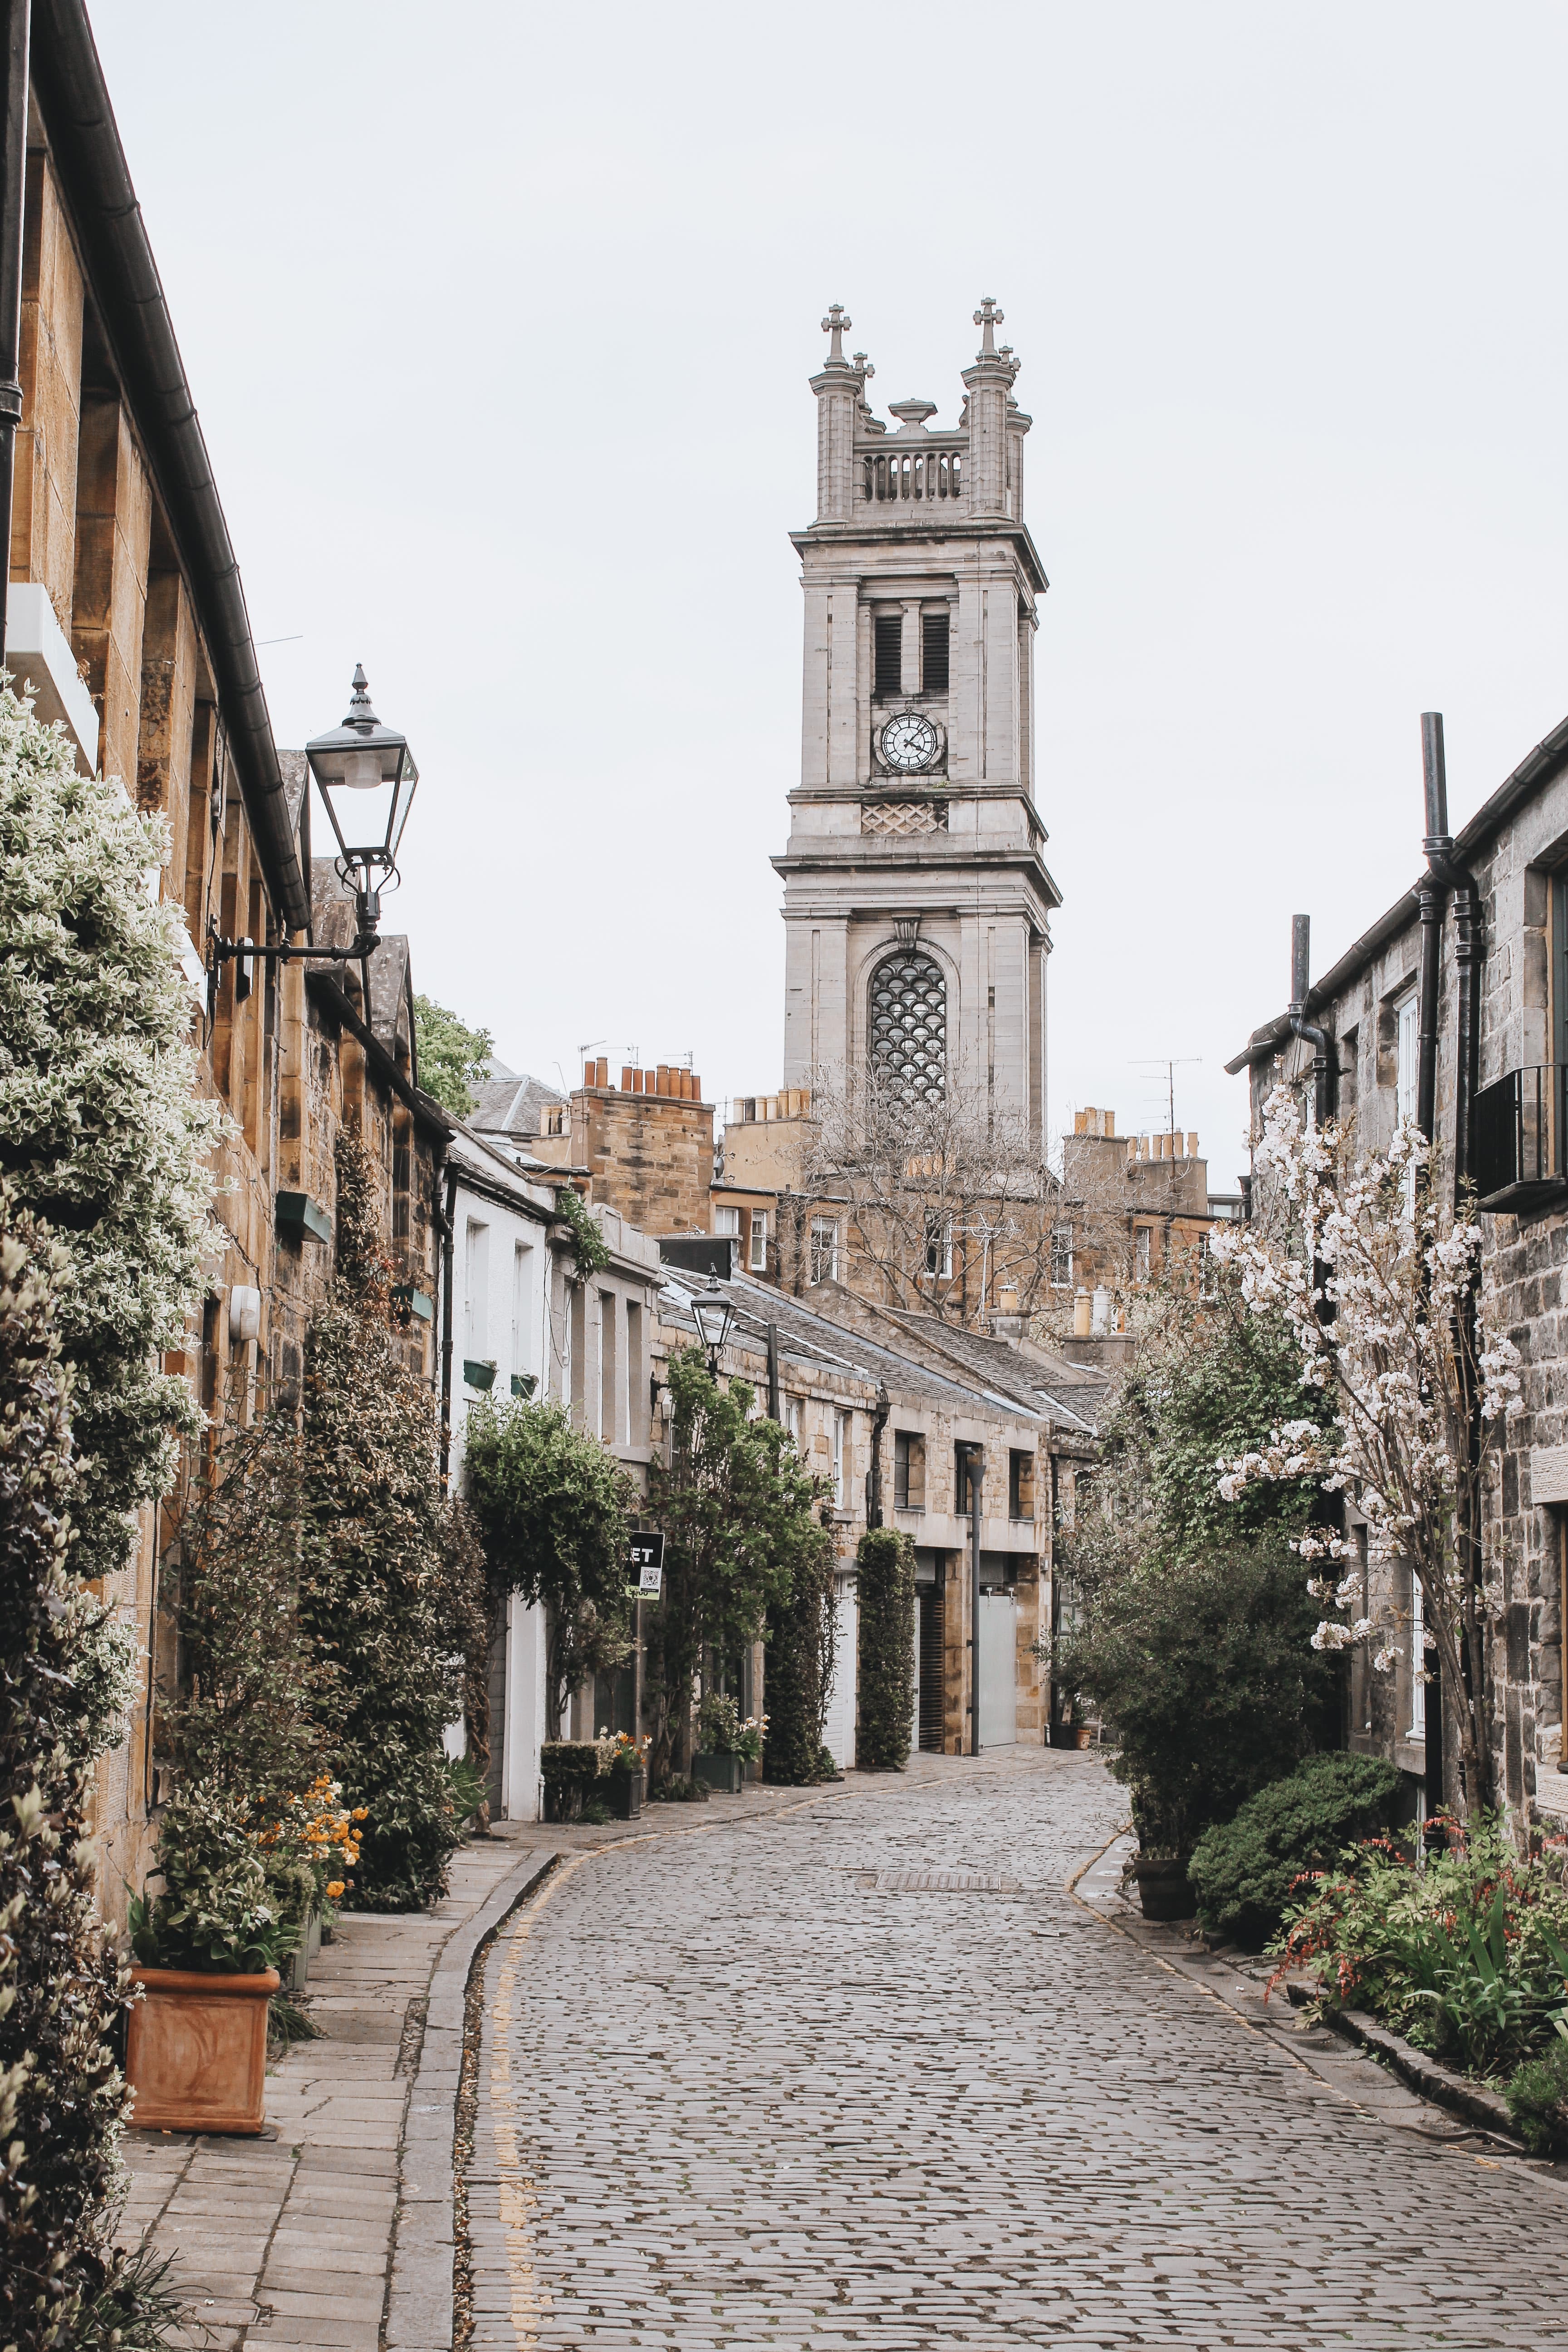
x,y
646,1562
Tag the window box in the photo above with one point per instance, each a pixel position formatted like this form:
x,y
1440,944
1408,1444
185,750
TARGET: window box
x,y
478,1376
1520,1153
419,1303
301,1220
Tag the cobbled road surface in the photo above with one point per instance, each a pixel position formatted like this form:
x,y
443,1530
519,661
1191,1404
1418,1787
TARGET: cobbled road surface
x,y
729,2094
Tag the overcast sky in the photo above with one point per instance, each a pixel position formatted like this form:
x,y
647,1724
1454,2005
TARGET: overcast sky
x,y
499,320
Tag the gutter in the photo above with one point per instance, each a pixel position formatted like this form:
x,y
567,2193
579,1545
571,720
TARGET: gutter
x,y
127,295
1541,766
426,1108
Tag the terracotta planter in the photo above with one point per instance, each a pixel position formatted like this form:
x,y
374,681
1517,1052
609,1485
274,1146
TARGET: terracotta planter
x,y
1163,1889
195,2050
1072,1735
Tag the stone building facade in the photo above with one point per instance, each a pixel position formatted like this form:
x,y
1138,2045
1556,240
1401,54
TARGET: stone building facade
x,y
1368,1003
126,624
855,1388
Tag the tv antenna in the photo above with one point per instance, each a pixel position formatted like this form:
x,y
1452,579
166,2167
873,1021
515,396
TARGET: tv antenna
x,y
1169,1065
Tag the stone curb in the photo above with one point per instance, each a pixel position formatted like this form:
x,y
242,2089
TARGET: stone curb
x,y
1439,2083
419,2296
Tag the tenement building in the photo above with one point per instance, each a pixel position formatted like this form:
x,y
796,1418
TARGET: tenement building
x,y
1493,1059
916,902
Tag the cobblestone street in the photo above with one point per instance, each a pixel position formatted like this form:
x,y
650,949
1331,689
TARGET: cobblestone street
x,y
732,2093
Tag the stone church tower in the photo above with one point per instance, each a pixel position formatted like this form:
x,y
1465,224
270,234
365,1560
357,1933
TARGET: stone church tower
x,y
916,899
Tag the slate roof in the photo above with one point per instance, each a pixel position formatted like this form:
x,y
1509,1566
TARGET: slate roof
x,y
509,1103
813,1342
1075,1396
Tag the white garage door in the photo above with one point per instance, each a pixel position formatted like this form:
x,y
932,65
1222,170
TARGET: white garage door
x,y
838,1732
998,1670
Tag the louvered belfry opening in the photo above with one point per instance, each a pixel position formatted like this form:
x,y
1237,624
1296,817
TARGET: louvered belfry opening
x,y
909,1026
933,655
889,654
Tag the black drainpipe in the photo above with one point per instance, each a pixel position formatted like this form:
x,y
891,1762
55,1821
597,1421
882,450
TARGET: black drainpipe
x,y
774,1398
1318,1039
878,1424
1443,875
976,1487
13,19
447,1229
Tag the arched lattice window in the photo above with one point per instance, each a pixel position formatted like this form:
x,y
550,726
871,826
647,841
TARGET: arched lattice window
x,y
909,1024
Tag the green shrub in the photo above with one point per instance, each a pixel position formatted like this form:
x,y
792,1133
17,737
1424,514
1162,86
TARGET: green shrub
x,y
1537,2099
569,1760
1204,1667
1242,1871
885,1563
62,1988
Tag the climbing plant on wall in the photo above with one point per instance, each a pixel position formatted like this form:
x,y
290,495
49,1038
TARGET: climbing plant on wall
x,y
388,1593
102,1130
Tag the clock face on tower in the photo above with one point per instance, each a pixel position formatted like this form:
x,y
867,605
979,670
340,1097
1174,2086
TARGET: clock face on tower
x,y
910,743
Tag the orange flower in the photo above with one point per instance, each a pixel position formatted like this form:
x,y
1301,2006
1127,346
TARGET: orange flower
x,y
334,1888
360,1814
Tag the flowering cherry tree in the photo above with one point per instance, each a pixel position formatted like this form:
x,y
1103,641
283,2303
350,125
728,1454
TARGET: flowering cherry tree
x,y
1395,1323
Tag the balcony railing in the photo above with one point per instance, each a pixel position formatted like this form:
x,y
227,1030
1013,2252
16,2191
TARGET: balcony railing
x,y
899,474
1520,1131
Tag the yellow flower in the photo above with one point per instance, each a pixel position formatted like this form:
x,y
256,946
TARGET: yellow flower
x,y
360,1814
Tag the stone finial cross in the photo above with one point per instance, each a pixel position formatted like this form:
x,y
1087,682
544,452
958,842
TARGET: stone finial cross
x,y
862,364
988,318
837,325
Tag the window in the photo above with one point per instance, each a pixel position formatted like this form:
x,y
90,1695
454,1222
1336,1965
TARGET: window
x,y
840,1471
1407,1018
909,1470
1020,1484
477,1291
637,1378
521,1319
961,1477
909,1026
727,1221
1417,1661
758,1259
791,1418
889,628
1061,1256
934,652
823,1250
609,1411
1141,1247
939,1245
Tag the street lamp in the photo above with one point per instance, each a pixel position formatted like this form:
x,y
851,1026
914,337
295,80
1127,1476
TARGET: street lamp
x,y
713,1313
372,765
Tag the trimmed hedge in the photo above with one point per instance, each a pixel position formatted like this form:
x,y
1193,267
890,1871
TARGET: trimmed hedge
x,y
1242,1870
885,1565
569,1760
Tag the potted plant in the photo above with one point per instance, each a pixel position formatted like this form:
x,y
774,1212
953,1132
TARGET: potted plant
x,y
206,1953
729,1744
568,1769
310,1849
625,1761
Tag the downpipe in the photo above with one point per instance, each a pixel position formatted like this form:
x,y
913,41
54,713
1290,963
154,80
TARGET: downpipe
x,y
1445,876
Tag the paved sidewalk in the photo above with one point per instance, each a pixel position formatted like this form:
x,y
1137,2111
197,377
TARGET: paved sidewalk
x,y
335,2231
760,2090
287,2239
